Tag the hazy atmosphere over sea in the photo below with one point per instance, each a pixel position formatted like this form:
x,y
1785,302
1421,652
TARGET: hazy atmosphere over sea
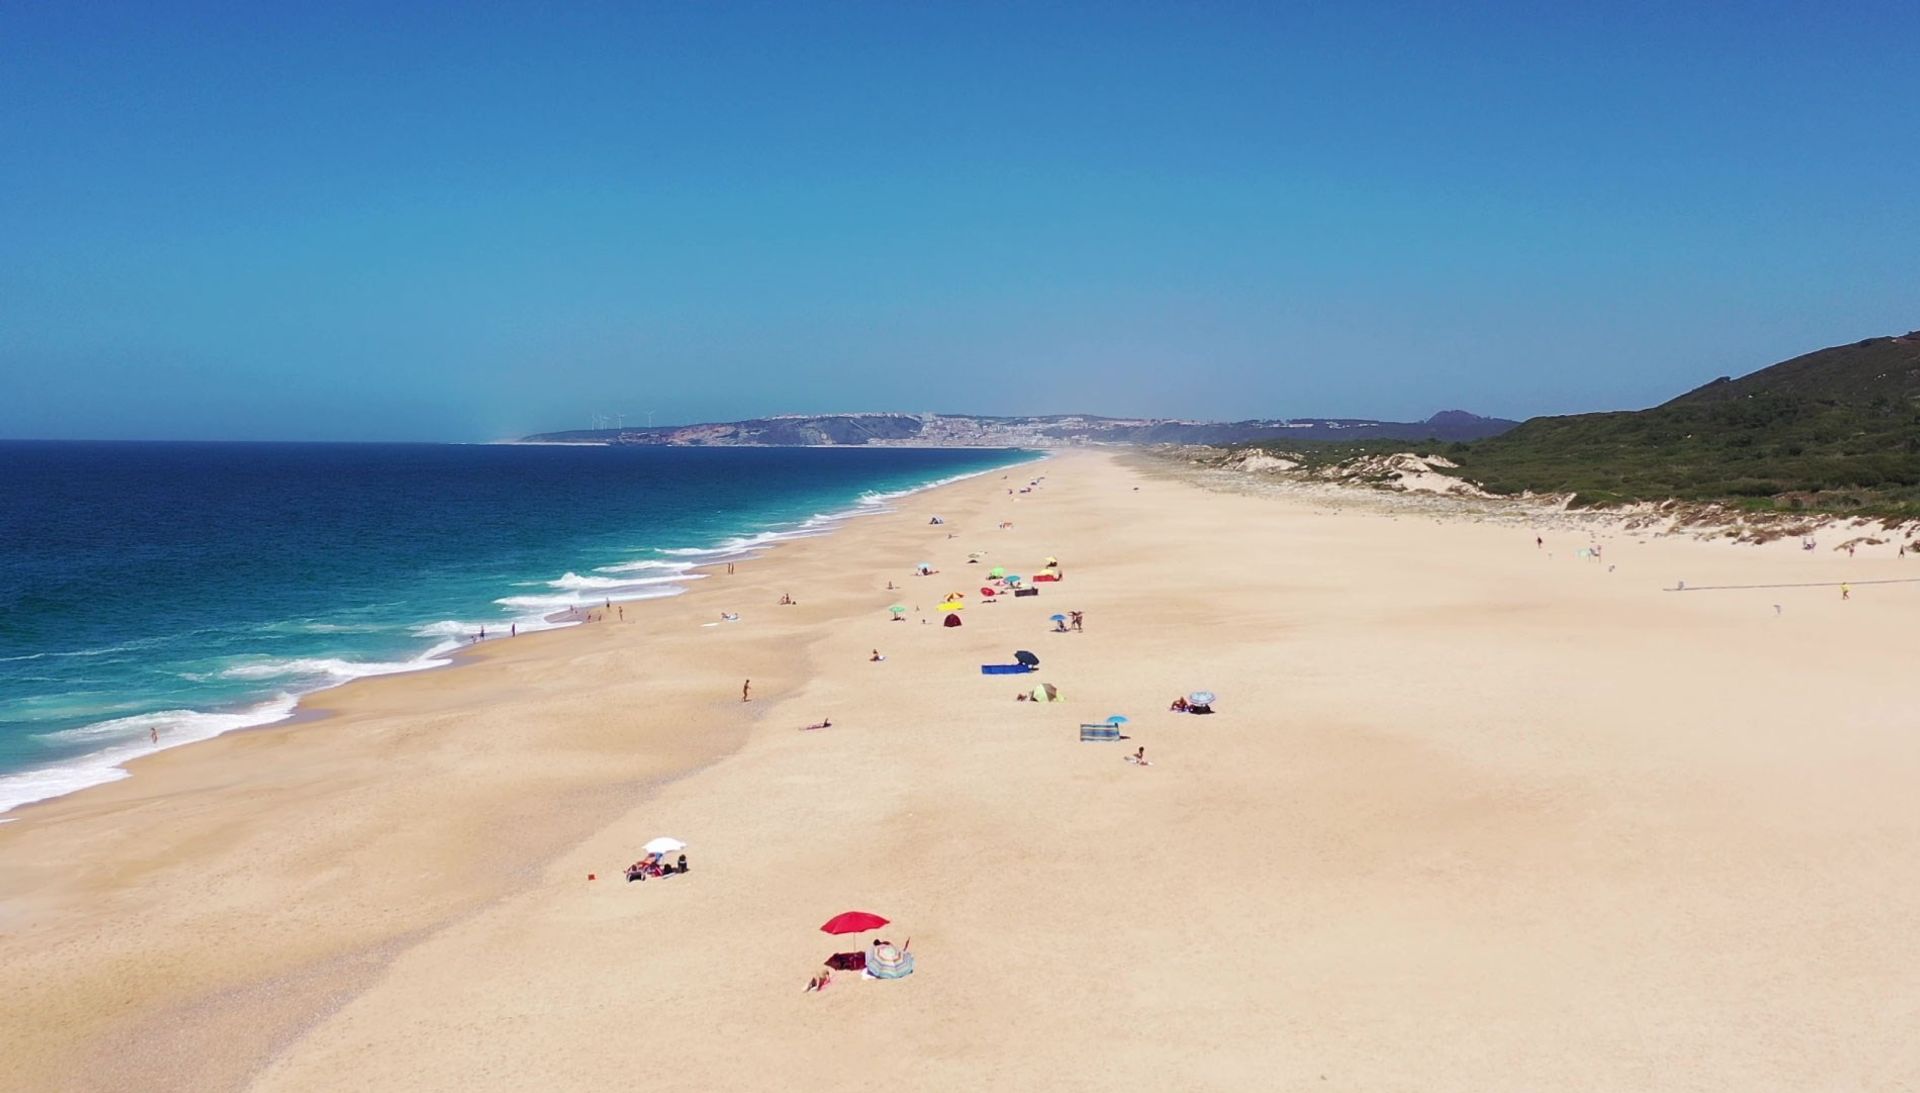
x,y
449,222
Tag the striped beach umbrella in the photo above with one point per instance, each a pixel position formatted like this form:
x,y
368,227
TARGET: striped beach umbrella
x,y
889,962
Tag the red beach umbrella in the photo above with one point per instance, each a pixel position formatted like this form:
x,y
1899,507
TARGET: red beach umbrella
x,y
853,922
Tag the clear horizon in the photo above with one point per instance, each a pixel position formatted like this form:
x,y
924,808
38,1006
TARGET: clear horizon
x,y
452,224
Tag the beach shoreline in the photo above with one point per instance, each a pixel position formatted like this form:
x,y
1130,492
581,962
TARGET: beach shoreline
x,y
1438,746
288,707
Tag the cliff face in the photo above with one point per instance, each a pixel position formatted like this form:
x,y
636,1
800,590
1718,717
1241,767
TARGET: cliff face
x,y
1043,431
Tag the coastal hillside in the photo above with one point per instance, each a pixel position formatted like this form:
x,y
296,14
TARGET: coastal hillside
x,y
1836,430
966,430
1833,430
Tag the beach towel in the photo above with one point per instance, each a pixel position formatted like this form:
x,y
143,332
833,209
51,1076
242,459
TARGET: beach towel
x,y
1026,592
1004,669
1046,576
1096,734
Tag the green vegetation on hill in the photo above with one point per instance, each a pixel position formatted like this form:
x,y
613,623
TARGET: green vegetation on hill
x,y
1836,430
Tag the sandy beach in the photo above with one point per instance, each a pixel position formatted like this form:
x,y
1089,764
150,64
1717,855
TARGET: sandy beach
x,y
1474,814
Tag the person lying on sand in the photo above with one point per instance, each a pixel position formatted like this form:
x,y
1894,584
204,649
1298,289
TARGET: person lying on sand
x,y
1179,705
876,657
825,723
820,982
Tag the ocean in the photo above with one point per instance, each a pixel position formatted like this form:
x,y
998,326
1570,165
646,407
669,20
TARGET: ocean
x,y
190,589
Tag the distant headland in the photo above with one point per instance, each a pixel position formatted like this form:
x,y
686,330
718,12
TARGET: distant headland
x,y
1045,431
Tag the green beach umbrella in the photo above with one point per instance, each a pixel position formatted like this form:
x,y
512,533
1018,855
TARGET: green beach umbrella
x,y
997,571
898,609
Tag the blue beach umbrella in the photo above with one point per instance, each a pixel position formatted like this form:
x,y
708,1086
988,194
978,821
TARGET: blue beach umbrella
x,y
1116,719
1201,698
1057,618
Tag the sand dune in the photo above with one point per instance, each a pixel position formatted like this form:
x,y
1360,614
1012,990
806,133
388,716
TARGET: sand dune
x,y
1473,815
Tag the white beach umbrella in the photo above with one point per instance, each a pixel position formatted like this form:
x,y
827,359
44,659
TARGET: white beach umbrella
x,y
665,845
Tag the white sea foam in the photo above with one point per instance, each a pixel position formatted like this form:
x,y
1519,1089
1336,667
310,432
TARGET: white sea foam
x,y
125,738
584,598
642,566
332,668
576,582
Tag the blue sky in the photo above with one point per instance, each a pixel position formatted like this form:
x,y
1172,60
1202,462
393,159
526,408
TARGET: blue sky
x,y
475,220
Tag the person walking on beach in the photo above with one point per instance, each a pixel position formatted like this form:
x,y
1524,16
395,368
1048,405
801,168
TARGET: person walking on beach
x,y
746,691
623,613
513,629
1846,592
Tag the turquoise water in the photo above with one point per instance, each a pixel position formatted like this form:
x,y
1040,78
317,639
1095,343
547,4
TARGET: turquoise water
x,y
184,590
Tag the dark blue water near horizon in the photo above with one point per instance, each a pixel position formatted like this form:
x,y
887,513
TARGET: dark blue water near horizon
x,y
186,589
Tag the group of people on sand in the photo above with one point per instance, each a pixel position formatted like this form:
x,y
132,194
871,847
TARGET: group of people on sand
x,y
846,962
655,865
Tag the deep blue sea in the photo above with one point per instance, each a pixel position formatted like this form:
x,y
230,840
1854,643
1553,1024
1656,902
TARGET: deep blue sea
x,y
192,589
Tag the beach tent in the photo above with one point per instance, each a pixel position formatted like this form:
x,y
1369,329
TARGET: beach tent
x,y
1099,734
952,620
1026,658
1053,563
988,593
1046,692
936,520
889,962
852,922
